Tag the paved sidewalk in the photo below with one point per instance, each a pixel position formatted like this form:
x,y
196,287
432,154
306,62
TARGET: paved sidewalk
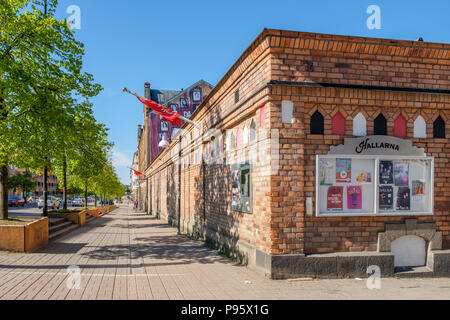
x,y
129,255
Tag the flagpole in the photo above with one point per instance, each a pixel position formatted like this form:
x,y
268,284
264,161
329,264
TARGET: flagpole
x,y
181,117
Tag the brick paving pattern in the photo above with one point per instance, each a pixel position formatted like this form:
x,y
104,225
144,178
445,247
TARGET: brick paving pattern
x,y
129,255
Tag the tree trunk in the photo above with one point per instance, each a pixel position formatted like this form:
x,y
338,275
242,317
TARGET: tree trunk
x,y
95,200
4,191
86,194
64,183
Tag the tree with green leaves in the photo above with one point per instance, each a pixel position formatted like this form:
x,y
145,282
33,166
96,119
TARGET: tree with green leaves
x,y
41,82
107,183
24,181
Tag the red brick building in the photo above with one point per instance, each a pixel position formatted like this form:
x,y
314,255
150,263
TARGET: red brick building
x,y
318,155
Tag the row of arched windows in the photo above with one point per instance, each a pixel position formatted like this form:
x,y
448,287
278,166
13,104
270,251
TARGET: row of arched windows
x,y
379,125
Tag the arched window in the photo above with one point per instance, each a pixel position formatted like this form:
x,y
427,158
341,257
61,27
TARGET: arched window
x,y
245,135
262,116
338,124
400,127
317,123
380,125
252,131
420,128
239,138
439,128
359,125
232,141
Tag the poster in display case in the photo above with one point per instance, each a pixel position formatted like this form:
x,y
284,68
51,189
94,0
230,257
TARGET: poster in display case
x,y
335,198
386,198
354,197
326,172
386,172
344,170
403,199
401,176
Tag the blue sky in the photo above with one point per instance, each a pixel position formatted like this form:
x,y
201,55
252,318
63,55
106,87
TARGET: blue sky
x,y
173,44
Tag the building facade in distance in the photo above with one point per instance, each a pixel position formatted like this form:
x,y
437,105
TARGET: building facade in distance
x,y
185,102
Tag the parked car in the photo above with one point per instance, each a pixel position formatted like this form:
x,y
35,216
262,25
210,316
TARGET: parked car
x,y
78,202
16,201
52,202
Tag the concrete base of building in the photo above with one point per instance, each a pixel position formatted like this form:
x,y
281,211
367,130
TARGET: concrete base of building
x,y
323,266
344,265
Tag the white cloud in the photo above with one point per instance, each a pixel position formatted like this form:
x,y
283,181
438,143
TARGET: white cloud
x,y
120,159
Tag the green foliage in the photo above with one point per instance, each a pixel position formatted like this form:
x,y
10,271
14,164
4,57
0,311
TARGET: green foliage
x,y
44,98
41,82
24,181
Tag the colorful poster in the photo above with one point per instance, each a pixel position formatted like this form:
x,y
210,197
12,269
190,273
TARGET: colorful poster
x,y
403,199
364,177
386,172
401,174
386,197
418,188
354,197
326,172
418,193
344,170
335,198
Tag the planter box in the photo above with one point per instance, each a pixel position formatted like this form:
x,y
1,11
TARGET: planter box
x,y
26,238
93,212
75,217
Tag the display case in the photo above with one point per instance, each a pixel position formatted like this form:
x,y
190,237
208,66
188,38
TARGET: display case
x,y
358,185
241,187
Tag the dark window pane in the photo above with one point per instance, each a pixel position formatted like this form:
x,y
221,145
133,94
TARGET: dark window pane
x,y
317,123
379,126
252,131
439,128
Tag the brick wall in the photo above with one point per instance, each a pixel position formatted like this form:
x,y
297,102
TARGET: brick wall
x,y
354,74
325,234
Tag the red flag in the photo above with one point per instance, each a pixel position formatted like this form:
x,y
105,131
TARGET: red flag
x,y
167,114
136,172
